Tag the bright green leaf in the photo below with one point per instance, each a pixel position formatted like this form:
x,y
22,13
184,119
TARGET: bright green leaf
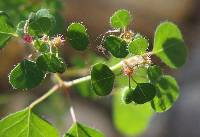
x,y
80,130
26,75
26,124
41,46
77,36
138,46
154,73
167,94
6,29
120,19
117,46
143,93
169,45
49,62
102,79
41,22
130,119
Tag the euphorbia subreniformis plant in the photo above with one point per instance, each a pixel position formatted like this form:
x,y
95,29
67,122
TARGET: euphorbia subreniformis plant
x,y
138,85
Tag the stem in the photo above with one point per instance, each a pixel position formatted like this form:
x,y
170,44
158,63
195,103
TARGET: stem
x,y
68,84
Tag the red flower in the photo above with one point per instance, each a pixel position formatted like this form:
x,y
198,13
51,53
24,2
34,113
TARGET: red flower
x,y
28,38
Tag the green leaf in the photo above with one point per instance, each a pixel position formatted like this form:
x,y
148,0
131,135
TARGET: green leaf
x,y
102,79
41,46
26,124
26,75
49,62
127,95
6,29
167,94
41,22
20,28
130,119
154,73
80,130
143,93
77,36
169,45
120,19
117,46
138,46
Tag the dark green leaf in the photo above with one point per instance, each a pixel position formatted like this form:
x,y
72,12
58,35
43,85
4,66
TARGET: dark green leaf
x,y
41,22
26,75
154,73
120,19
169,45
138,46
77,36
80,130
130,119
117,46
26,124
41,46
102,79
127,95
143,93
167,94
49,62
6,29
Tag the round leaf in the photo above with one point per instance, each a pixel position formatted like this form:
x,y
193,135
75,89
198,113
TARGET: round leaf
x,y
127,95
120,19
130,119
26,75
102,79
143,93
117,46
41,22
6,29
166,95
26,124
77,36
138,46
154,73
169,45
49,62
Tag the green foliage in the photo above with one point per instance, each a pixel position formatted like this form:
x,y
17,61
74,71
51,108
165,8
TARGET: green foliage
x,y
26,124
120,19
143,93
51,63
154,73
26,75
20,28
80,130
6,29
116,46
127,95
41,46
77,36
41,22
102,79
130,119
169,45
167,94
138,46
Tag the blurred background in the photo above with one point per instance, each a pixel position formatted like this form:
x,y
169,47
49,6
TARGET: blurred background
x,y
182,120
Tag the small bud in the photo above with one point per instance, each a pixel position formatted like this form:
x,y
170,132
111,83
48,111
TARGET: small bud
x,y
28,38
45,38
58,40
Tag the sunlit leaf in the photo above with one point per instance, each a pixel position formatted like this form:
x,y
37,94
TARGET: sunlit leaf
x,y
80,130
26,75
26,124
154,73
169,45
